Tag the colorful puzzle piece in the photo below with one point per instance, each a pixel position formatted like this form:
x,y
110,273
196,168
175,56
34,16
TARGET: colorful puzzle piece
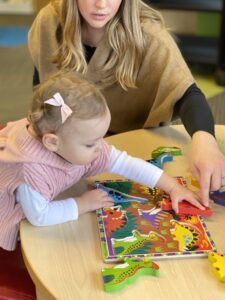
x,y
186,208
115,278
164,149
161,159
218,265
194,182
218,197
120,197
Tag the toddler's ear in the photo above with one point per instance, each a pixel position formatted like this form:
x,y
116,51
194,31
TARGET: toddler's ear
x,y
50,141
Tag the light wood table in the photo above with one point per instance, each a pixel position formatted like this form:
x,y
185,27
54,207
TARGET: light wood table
x,y
65,260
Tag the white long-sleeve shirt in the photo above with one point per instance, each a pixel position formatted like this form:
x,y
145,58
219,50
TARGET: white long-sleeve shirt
x,y
41,212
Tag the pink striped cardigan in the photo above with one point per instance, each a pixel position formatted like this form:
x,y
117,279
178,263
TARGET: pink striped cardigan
x,y
25,159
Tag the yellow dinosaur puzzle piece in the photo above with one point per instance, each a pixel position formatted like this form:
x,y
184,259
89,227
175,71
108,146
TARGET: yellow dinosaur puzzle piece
x,y
194,182
218,265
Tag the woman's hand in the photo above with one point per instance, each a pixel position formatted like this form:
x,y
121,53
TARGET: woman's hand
x,y
207,164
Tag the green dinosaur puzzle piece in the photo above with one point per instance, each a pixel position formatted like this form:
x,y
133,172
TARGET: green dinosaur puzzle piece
x,y
115,278
164,149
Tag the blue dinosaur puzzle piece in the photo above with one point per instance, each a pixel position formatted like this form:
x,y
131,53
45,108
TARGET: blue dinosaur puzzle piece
x,y
161,159
120,197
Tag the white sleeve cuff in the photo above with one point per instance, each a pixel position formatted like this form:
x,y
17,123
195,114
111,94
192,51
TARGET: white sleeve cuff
x,y
41,212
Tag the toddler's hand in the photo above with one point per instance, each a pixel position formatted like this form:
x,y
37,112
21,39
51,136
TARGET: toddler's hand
x,y
93,200
179,193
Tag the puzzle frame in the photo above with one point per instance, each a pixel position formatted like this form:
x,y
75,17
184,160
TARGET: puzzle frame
x,y
145,230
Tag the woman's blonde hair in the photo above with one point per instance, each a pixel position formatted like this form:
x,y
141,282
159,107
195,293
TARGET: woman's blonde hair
x,y
125,37
84,99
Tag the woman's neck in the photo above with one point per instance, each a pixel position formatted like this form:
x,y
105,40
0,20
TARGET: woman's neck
x,y
92,36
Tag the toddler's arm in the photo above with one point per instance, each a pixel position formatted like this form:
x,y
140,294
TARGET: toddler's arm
x,y
134,168
147,174
41,212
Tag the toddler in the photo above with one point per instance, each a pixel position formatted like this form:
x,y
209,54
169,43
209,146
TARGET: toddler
x,y
59,143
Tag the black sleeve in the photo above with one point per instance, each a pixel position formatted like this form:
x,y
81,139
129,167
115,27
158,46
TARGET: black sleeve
x,y
36,79
194,111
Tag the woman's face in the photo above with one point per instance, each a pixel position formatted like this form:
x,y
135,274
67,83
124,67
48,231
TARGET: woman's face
x,y
97,13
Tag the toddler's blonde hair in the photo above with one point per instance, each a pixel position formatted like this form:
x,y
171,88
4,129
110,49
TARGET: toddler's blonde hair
x,y
83,97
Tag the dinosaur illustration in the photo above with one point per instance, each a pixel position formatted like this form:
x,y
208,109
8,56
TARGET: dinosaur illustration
x,y
115,278
120,197
135,242
154,216
115,218
188,236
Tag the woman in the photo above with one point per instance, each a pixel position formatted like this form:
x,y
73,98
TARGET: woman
x,y
124,47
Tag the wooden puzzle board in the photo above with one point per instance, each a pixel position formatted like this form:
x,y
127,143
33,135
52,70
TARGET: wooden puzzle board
x,y
132,229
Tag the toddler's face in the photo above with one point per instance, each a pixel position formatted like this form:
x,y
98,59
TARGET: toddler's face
x,y
83,142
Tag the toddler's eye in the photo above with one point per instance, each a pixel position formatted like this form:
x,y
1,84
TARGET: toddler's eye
x,y
90,146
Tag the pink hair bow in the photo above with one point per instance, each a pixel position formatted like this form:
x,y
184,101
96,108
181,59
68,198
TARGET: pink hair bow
x,y
57,100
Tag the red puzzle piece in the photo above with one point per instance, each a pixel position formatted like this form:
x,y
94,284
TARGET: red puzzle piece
x,y
186,208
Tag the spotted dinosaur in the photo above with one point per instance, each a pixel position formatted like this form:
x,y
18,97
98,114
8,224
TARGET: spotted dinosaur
x,y
188,236
136,241
115,278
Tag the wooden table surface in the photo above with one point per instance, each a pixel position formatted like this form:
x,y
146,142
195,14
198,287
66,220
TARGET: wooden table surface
x,y
65,261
